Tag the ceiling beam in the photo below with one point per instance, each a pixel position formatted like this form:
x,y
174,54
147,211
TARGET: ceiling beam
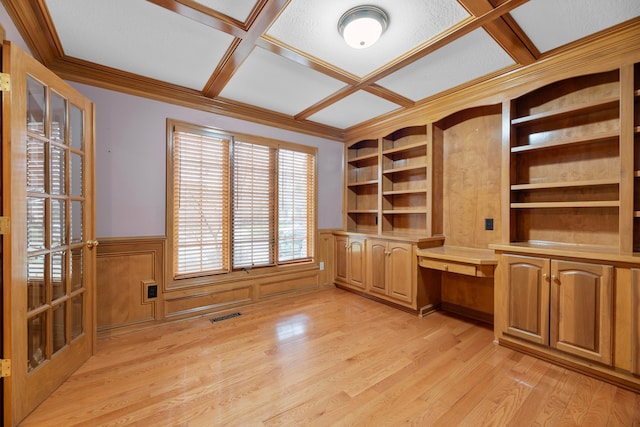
x,y
218,22
222,75
502,32
275,46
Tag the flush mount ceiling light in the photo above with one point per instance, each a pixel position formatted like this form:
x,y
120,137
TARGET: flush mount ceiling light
x,y
362,26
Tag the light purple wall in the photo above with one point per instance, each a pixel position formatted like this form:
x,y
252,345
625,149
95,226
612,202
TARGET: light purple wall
x,y
131,161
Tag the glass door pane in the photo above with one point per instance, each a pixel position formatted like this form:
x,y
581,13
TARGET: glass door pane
x,y
55,223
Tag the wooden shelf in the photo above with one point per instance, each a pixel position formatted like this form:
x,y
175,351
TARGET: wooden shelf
x,y
401,192
403,169
568,184
362,211
567,142
576,204
404,211
404,149
585,108
358,184
369,159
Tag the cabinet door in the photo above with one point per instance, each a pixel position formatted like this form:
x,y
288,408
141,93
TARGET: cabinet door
x,y
527,287
340,262
581,298
399,271
376,262
356,262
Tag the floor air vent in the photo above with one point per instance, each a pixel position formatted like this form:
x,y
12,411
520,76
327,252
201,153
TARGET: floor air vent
x,y
225,317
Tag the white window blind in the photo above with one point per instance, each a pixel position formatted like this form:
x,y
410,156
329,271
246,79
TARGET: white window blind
x,y
296,188
253,205
200,203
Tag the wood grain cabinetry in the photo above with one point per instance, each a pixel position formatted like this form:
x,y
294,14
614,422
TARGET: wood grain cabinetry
x,y
565,305
571,183
393,202
350,262
390,269
566,185
392,182
385,268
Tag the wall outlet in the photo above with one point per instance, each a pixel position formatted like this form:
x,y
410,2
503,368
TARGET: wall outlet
x,y
488,223
152,291
321,265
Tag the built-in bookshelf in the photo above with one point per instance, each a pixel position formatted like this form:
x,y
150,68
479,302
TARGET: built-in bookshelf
x,y
566,180
362,186
389,184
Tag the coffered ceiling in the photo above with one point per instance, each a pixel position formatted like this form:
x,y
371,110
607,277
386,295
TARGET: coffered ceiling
x,y
283,62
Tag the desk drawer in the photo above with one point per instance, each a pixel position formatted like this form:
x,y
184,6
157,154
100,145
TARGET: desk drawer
x,y
451,267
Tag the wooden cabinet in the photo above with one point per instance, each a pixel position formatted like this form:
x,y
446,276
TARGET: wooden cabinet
x,y
390,269
384,268
392,183
566,305
528,293
350,261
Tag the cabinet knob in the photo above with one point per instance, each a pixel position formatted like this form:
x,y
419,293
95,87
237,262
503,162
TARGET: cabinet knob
x,y
545,276
445,267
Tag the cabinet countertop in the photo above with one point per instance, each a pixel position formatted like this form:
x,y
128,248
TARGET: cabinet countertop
x,y
420,240
568,251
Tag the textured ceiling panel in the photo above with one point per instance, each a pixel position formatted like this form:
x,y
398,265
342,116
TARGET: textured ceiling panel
x,y
467,58
311,26
139,37
551,23
356,108
238,9
276,83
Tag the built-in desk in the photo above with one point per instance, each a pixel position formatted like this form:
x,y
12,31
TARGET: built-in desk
x,y
480,264
456,259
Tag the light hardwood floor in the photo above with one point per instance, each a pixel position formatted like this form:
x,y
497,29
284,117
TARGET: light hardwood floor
x,y
326,358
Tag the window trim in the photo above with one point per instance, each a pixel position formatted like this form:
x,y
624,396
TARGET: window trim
x,y
234,275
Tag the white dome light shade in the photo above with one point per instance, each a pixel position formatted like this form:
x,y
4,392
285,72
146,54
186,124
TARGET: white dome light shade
x,y
362,26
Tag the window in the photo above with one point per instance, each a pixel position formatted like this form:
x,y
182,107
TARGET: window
x,y
237,202
253,205
200,193
295,176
